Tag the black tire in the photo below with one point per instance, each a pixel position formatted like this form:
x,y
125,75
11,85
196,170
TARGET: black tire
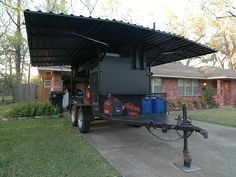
x,y
83,122
74,116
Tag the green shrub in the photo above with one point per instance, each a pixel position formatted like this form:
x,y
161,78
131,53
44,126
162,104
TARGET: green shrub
x,y
208,95
29,109
203,103
191,103
197,104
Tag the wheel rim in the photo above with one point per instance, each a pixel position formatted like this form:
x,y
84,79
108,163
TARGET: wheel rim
x,y
73,116
80,119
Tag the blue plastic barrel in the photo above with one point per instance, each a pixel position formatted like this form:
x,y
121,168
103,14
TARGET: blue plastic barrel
x,y
147,105
158,105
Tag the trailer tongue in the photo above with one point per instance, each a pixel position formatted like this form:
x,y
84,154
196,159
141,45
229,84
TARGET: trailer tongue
x,y
166,122
112,61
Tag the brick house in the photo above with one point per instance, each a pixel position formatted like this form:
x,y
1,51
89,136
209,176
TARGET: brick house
x,y
179,81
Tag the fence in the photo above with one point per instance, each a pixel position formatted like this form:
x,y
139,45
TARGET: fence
x,y
25,92
6,93
42,93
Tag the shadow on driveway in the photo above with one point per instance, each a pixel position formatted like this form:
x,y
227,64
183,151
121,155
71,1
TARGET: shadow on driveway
x,y
136,153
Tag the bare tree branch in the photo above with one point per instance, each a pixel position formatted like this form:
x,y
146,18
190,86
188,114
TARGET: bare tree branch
x,y
6,28
233,15
71,5
89,5
199,38
227,16
4,3
11,18
8,13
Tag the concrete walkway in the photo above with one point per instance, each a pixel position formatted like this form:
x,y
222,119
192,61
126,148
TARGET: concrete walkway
x,y
136,153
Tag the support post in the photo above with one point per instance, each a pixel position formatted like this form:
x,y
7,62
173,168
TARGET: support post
x,y
71,86
187,166
187,156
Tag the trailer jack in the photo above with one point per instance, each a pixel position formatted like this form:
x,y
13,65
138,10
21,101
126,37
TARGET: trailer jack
x,y
183,125
187,166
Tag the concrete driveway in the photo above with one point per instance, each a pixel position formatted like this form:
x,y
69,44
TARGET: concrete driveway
x,y
136,153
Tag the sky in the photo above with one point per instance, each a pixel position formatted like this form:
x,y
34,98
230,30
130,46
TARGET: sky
x,y
141,12
149,11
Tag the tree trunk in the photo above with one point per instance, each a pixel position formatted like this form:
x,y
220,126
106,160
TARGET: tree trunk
x,y
29,73
18,45
10,65
3,91
230,62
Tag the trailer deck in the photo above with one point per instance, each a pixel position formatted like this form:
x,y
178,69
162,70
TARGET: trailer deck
x,y
161,119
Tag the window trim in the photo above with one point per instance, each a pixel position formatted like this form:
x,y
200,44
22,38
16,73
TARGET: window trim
x,y
47,85
192,87
153,85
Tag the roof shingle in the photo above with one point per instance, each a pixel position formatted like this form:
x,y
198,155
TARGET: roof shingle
x,y
175,70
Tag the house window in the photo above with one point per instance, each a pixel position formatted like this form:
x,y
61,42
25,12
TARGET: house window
x,y
47,83
195,84
156,85
188,87
181,86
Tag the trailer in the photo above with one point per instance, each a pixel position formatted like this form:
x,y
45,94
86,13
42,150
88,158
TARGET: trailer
x,y
112,60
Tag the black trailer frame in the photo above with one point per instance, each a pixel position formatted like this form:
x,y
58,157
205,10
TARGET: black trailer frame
x,y
115,58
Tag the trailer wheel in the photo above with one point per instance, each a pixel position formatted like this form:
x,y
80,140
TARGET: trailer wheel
x,y
83,122
74,116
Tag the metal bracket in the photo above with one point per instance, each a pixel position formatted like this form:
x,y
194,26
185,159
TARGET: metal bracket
x,y
100,55
91,39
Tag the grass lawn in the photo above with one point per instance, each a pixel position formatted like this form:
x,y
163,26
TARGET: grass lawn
x,y
4,108
48,148
223,116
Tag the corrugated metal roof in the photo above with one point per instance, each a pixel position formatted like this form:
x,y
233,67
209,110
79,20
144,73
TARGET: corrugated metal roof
x,y
52,42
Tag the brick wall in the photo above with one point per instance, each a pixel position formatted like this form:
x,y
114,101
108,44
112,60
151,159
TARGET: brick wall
x,y
228,97
220,93
227,92
57,83
233,93
170,87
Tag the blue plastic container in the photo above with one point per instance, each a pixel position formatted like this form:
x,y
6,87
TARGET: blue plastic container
x,y
158,105
147,105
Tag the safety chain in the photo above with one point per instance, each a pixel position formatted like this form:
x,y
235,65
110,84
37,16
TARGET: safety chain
x,y
179,121
163,139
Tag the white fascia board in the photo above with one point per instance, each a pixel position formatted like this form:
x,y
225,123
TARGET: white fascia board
x,y
182,77
53,69
221,77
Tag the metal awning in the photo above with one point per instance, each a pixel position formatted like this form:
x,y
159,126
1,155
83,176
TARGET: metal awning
x,y
52,40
